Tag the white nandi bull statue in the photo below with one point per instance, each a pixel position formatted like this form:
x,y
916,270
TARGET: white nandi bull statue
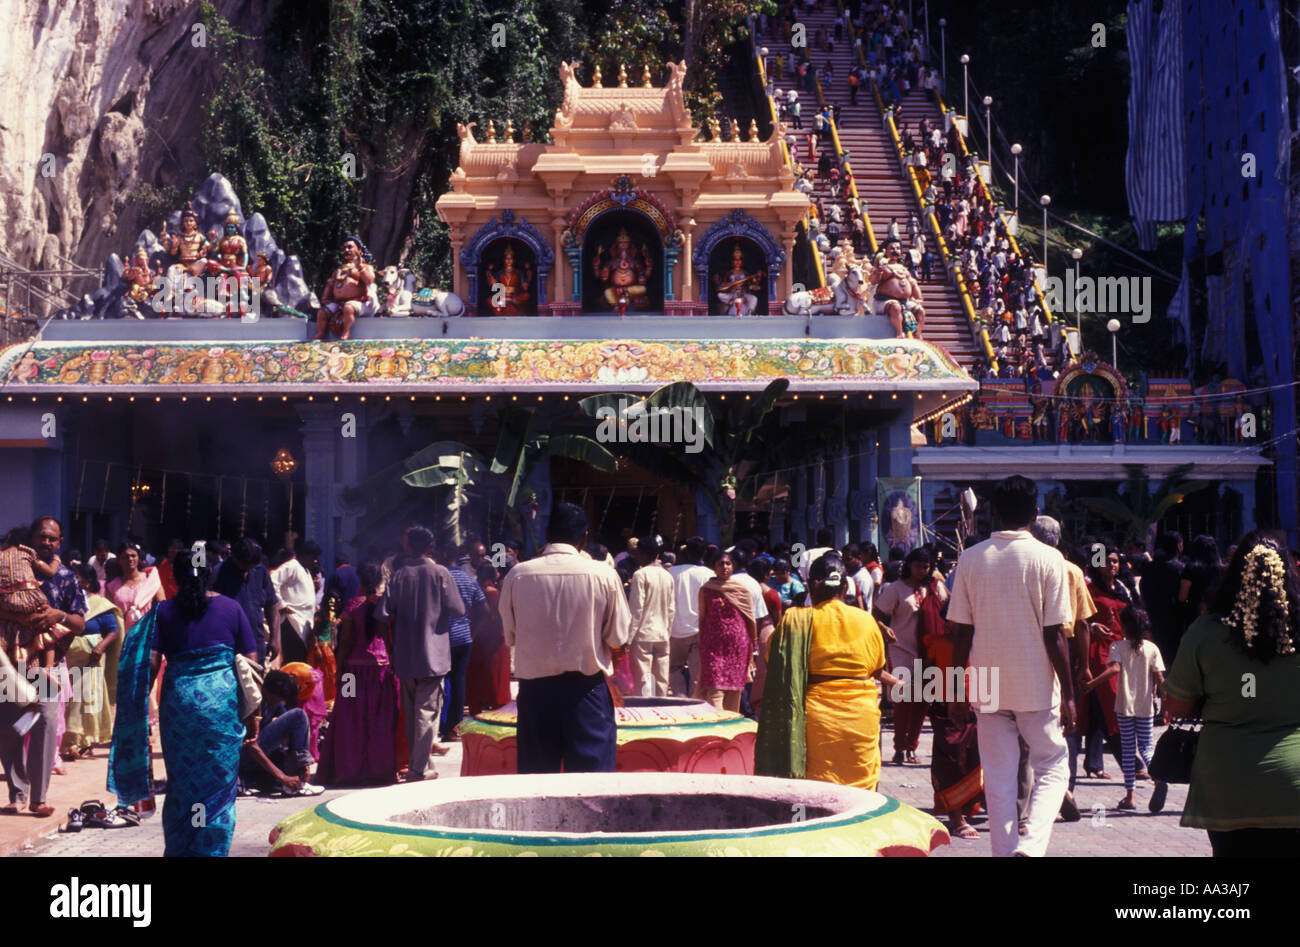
x,y
399,287
439,303
842,298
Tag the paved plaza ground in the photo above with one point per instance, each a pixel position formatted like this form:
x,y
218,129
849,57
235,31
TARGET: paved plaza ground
x,y
1104,831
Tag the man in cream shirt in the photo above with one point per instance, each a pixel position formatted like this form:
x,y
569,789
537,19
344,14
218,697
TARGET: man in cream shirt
x,y
650,595
564,615
1011,605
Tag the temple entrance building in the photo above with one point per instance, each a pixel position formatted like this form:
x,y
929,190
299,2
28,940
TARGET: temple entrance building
x,y
626,203
623,257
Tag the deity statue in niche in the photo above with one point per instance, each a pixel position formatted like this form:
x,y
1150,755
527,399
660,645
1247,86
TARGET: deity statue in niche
x,y
509,288
623,272
734,287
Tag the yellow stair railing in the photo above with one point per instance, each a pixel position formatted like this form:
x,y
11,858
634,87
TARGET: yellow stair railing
x,y
984,191
789,160
978,329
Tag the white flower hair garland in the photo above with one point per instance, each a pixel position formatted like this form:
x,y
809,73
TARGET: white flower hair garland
x,y
1263,571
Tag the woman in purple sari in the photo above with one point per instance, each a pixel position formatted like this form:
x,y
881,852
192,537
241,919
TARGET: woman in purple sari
x,y
360,745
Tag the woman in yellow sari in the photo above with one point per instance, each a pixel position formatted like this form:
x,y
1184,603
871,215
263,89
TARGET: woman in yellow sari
x,y
820,716
92,657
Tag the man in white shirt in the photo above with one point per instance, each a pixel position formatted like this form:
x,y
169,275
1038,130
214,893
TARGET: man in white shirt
x,y
863,588
99,560
567,618
684,642
651,597
1011,604
296,591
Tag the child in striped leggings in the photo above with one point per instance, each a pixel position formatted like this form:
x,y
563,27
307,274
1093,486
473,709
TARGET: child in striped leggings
x,y
1137,662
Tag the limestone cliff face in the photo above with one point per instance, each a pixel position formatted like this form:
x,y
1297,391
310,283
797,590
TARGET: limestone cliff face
x,y
100,95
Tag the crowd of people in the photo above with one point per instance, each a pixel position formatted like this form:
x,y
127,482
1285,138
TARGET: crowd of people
x,y
271,675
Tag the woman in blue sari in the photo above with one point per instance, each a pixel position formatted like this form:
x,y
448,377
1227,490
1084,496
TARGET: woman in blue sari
x,y
199,633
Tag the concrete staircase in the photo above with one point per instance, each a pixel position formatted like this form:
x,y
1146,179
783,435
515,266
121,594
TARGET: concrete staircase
x,y
882,182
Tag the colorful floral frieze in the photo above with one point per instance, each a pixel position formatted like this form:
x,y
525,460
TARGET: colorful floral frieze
x,y
484,363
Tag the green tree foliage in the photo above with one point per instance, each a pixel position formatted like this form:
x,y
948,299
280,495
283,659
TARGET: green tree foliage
x,y
1139,509
375,88
633,35
341,117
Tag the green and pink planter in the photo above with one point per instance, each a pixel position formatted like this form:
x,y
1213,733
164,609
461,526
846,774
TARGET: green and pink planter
x,y
655,735
610,814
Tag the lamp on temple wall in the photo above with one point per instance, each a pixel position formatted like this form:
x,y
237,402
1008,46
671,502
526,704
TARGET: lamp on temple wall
x,y
282,464
1113,328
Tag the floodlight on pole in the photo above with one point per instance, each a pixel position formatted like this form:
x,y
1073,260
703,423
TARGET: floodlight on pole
x,y
1074,303
988,126
1045,200
965,85
1015,150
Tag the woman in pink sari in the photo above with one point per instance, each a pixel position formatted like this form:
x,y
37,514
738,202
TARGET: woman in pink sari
x,y
728,636
361,744
135,592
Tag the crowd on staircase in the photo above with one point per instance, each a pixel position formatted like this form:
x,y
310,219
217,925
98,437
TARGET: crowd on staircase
x,y
892,57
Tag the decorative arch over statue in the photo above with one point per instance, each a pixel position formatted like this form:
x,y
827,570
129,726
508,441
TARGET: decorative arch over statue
x,y
1093,373
1092,402
638,210
471,257
737,224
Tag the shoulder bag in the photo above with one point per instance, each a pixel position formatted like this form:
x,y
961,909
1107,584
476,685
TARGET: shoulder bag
x,y
1175,751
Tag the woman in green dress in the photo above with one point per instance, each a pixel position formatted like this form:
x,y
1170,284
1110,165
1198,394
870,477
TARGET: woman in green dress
x,y
1237,668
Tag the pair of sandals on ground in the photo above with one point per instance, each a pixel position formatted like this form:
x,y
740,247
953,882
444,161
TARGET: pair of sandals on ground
x,y
83,753
93,814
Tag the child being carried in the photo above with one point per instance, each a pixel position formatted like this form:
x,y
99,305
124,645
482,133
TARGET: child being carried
x,y
21,574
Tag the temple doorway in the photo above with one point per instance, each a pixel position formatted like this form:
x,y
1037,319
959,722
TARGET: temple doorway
x,y
632,501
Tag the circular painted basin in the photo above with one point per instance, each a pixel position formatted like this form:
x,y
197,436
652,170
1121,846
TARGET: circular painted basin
x,y
655,735
629,814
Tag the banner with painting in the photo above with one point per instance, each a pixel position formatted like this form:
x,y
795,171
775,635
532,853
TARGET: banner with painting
x,y
899,524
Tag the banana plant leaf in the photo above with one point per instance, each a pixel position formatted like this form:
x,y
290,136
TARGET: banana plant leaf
x,y
583,448
758,410
679,396
517,428
444,463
